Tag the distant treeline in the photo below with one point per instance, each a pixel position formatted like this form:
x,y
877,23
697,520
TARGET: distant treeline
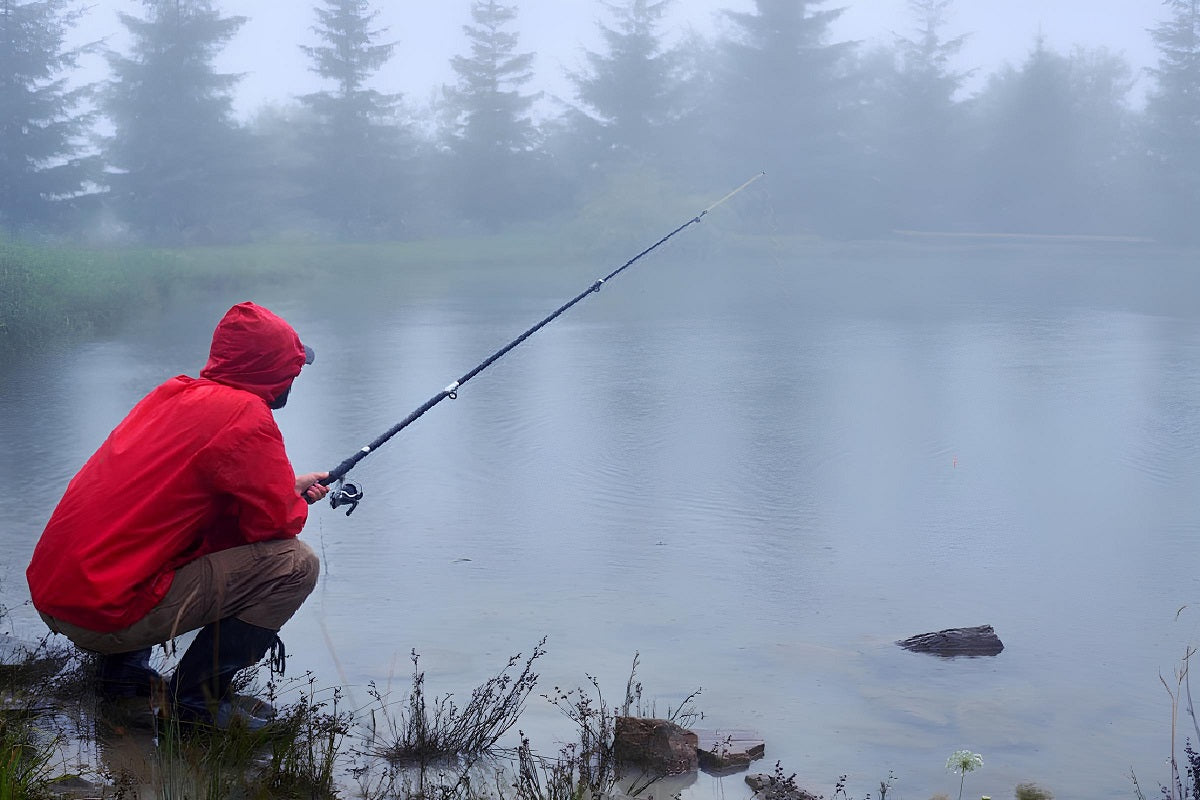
x,y
855,141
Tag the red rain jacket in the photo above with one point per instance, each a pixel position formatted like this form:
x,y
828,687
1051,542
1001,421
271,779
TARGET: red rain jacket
x,y
197,466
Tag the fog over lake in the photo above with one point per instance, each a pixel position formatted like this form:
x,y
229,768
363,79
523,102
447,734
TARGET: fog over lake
x,y
756,475
934,365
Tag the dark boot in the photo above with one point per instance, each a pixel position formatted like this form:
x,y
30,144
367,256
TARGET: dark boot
x,y
199,691
122,675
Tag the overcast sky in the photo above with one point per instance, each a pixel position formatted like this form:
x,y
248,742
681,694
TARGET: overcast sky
x,y
429,32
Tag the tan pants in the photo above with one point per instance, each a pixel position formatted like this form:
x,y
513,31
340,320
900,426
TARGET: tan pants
x,y
262,584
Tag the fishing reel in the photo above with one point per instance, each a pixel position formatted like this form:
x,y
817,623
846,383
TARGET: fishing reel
x,y
345,494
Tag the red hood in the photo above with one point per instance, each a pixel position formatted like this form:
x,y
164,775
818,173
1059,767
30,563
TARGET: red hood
x,y
255,350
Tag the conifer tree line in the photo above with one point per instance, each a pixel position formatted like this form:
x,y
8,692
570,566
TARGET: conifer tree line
x,y
856,140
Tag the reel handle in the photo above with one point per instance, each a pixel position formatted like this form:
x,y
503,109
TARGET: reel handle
x,y
345,494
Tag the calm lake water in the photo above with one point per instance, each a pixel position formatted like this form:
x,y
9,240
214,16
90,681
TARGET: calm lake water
x,y
756,476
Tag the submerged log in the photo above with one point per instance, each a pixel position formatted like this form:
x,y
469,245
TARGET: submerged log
x,y
978,641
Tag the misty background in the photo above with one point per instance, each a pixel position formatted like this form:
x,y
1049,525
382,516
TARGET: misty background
x,y
768,454
559,32
198,122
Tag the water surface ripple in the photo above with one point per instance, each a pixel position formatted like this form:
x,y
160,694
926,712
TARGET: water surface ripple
x,y
758,483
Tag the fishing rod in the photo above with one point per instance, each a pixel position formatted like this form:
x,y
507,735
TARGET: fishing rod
x,y
349,494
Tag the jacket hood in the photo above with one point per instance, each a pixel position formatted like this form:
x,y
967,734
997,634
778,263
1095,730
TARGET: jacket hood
x,y
255,350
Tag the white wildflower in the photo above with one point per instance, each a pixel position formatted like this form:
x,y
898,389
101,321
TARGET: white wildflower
x,y
964,761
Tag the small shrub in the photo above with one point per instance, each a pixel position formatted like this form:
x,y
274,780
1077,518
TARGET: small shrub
x,y
886,786
545,779
587,767
202,762
296,756
782,786
1031,791
307,744
590,758
422,734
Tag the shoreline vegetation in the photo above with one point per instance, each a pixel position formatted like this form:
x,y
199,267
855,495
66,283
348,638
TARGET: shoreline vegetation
x,y
58,741
51,294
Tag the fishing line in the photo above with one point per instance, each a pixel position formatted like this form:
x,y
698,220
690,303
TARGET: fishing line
x,y
349,494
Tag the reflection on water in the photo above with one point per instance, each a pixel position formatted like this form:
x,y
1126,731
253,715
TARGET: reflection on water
x,y
758,482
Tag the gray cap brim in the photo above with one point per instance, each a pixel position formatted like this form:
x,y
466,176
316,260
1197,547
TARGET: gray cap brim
x,y
309,355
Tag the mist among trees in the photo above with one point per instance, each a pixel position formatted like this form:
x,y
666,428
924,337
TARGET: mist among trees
x,y
857,141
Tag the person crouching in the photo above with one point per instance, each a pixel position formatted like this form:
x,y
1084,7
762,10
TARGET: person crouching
x,y
186,518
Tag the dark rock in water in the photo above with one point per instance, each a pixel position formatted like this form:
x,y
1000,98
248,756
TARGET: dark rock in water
x,y
777,787
722,752
978,641
658,746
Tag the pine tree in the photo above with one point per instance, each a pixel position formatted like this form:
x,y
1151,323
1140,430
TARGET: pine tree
x,y
1105,156
178,159
493,134
43,166
631,92
1050,139
1173,122
1023,127
354,178
921,130
784,104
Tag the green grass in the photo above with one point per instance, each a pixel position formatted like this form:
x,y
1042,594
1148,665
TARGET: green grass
x,y
27,760
55,294
50,295
30,758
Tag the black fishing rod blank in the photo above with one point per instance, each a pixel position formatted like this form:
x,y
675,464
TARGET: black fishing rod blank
x,y
349,494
